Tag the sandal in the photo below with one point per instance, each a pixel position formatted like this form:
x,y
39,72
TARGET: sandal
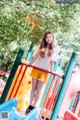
x,y
29,109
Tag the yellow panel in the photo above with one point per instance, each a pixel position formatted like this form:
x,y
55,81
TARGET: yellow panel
x,y
24,90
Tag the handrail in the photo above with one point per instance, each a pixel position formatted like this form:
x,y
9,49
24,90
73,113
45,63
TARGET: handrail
x,y
27,65
53,73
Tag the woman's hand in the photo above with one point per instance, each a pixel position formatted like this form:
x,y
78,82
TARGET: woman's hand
x,y
42,52
34,58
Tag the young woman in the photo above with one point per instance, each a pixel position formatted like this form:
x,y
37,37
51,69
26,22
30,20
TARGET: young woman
x,y
44,58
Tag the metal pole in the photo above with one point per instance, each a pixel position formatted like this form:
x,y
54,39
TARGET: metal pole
x,y
49,82
64,86
29,52
10,79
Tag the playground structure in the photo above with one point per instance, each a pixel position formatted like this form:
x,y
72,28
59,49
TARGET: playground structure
x,y
75,105
10,108
3,73
53,100
2,85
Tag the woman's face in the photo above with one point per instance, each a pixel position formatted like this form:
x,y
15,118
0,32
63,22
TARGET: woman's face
x,y
49,38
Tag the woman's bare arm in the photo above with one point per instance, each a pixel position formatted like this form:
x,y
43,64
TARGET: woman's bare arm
x,y
34,58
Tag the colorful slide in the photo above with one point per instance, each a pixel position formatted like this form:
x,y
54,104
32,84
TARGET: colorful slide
x,y
24,89
70,116
20,89
72,89
9,108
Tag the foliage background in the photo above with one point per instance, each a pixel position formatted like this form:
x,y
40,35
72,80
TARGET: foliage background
x,y
25,21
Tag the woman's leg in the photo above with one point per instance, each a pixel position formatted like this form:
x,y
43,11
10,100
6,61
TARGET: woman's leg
x,y
32,95
39,88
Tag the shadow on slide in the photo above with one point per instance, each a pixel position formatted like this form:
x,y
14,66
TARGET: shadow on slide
x,y
10,107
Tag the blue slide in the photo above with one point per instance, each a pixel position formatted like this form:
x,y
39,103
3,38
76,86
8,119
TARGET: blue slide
x,y
10,107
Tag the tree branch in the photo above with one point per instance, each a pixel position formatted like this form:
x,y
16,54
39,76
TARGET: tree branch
x,y
26,2
5,3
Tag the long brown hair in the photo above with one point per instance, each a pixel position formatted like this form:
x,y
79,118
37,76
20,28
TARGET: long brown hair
x,y
44,43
